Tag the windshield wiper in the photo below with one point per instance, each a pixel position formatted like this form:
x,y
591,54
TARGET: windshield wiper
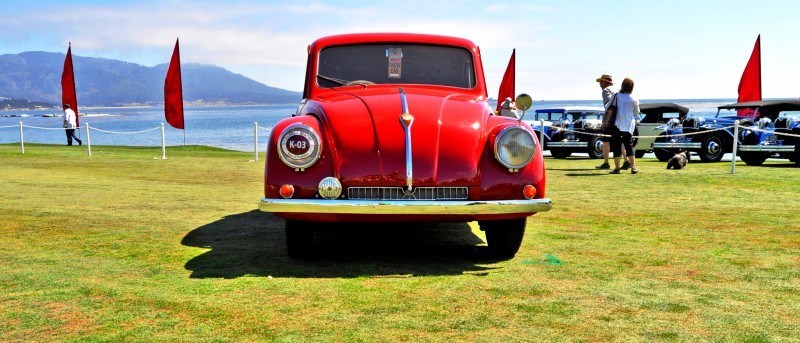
x,y
333,79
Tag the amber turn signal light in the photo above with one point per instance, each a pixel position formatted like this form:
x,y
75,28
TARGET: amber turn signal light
x,y
287,191
529,192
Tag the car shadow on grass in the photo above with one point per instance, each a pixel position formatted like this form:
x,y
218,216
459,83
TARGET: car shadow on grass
x,y
254,244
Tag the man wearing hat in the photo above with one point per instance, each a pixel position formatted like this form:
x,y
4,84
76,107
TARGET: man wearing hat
x,y
606,82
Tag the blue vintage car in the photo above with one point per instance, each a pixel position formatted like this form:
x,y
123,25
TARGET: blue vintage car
x,y
777,124
709,137
569,130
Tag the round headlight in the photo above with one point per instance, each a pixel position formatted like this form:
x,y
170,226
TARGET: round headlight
x,y
299,146
514,147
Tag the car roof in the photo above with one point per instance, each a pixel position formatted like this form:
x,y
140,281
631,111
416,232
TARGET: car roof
x,y
571,109
777,105
360,38
662,107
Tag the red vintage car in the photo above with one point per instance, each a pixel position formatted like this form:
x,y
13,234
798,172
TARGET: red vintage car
x,y
397,128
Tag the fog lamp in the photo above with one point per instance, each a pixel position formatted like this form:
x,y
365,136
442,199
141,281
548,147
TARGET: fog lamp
x,y
330,188
286,191
529,192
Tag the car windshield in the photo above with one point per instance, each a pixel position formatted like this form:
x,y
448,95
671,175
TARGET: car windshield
x,y
549,116
737,112
594,115
395,63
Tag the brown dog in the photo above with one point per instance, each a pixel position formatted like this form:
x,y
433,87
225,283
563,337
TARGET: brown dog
x,y
678,161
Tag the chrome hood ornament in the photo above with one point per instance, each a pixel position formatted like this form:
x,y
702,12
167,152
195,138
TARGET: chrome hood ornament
x,y
406,120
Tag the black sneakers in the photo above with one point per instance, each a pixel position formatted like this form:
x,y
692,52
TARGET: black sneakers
x,y
603,166
626,165
615,171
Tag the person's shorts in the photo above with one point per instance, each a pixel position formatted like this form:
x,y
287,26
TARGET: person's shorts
x,y
605,132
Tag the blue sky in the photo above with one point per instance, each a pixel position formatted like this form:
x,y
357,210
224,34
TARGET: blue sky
x,y
672,49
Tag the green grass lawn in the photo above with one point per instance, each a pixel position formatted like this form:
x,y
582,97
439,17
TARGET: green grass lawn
x,y
126,246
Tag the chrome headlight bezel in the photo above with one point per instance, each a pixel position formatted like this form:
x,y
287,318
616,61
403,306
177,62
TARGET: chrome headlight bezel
x,y
673,123
698,122
502,148
299,159
764,122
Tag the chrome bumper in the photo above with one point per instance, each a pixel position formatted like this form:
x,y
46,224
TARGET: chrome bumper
x,y
567,144
767,148
676,145
404,207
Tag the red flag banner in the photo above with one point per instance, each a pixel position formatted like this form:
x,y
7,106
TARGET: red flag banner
x,y
750,84
68,94
509,79
173,91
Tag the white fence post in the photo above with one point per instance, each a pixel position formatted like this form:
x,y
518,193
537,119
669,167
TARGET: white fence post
x,y
541,133
735,146
163,144
21,139
255,141
88,140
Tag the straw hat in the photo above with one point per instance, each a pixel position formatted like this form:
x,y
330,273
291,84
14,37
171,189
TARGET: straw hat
x,y
606,78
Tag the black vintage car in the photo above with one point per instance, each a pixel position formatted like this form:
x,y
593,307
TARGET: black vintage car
x,y
653,120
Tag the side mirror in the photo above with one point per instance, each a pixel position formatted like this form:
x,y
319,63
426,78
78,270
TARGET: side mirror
x,y
524,102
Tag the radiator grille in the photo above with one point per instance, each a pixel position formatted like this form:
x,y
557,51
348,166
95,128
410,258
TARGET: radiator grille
x,y
398,193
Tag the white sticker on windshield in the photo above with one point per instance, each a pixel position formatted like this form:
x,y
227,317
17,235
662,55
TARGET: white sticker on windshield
x,y
395,62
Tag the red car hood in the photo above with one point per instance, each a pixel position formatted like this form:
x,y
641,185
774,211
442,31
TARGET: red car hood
x,y
368,140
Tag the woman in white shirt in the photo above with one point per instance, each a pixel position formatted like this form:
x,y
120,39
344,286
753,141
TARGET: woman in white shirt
x,y
627,109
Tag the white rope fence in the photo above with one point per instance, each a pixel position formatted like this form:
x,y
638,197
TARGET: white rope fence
x,y
735,128
88,135
753,128
256,128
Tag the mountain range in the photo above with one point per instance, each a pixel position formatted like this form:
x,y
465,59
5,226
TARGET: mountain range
x,y
36,76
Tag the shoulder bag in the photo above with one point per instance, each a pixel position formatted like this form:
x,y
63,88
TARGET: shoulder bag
x,y
610,117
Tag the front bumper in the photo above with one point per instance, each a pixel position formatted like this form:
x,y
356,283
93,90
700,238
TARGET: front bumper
x,y
676,145
767,148
405,207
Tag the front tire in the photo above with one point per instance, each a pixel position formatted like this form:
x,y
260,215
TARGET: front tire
x,y
299,239
504,237
754,158
639,153
560,153
663,155
796,155
711,150
595,148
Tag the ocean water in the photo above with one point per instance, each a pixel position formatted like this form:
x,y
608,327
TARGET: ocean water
x,y
228,127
